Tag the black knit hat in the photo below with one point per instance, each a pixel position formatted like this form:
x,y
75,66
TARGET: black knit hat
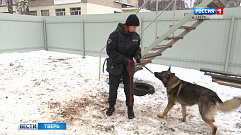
x,y
132,20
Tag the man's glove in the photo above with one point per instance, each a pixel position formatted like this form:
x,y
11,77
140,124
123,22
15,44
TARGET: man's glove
x,y
126,61
138,59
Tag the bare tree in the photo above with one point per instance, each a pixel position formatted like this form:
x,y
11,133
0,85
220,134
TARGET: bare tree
x,y
196,2
234,3
22,7
162,4
140,3
10,6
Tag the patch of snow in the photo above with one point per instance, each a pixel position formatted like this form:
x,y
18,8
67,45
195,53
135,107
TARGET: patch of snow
x,y
46,87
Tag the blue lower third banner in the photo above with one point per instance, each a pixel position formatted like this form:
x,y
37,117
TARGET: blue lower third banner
x,y
51,126
42,126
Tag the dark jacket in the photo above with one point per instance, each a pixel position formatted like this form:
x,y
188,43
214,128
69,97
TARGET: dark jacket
x,y
122,47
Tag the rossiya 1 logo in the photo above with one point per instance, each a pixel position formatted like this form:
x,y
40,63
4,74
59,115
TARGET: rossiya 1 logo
x,y
208,11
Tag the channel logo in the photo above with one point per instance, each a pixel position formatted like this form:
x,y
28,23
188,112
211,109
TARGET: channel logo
x,y
42,126
28,126
208,13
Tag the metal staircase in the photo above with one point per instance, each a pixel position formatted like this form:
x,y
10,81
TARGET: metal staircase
x,y
154,50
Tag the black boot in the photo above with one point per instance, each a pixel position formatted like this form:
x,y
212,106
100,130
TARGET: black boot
x,y
130,112
110,110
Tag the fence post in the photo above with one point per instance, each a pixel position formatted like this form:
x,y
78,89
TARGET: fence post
x,y
45,36
141,34
100,61
156,21
229,44
83,38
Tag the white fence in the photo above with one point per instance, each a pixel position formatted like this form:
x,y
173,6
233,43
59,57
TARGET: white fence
x,y
215,44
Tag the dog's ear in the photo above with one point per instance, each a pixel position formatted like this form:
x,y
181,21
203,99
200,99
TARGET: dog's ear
x,y
172,75
169,70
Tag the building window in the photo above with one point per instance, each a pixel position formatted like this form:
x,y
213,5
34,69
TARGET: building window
x,y
44,12
3,2
75,11
127,1
60,12
117,12
33,13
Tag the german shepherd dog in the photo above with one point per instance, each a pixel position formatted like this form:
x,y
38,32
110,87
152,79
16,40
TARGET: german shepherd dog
x,y
188,94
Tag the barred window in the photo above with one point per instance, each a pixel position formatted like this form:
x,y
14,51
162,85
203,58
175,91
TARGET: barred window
x,y
33,13
75,11
44,12
127,1
3,2
60,12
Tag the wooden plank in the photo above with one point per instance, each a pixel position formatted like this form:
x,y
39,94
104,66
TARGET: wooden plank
x,y
185,27
159,47
224,78
150,55
227,78
219,72
222,82
188,28
170,38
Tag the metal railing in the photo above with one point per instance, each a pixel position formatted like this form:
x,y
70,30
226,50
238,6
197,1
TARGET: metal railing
x,y
154,20
139,9
157,17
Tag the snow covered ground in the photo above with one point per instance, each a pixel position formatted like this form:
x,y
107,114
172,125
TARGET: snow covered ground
x,y
46,87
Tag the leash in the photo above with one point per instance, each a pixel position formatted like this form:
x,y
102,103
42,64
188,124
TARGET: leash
x,y
179,88
130,69
104,64
146,68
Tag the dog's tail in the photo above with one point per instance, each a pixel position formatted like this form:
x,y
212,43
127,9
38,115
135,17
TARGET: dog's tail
x,y
229,105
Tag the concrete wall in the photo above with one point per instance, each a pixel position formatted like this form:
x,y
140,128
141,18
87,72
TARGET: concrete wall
x,y
21,33
212,45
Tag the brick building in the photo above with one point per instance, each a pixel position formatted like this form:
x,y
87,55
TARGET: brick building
x,y
74,7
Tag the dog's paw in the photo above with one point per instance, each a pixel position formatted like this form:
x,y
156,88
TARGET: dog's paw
x,y
182,119
160,115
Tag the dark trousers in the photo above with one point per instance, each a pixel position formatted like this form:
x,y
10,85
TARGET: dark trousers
x,y
128,87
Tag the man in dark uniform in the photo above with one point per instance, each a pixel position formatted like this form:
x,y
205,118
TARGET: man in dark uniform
x,y
122,46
